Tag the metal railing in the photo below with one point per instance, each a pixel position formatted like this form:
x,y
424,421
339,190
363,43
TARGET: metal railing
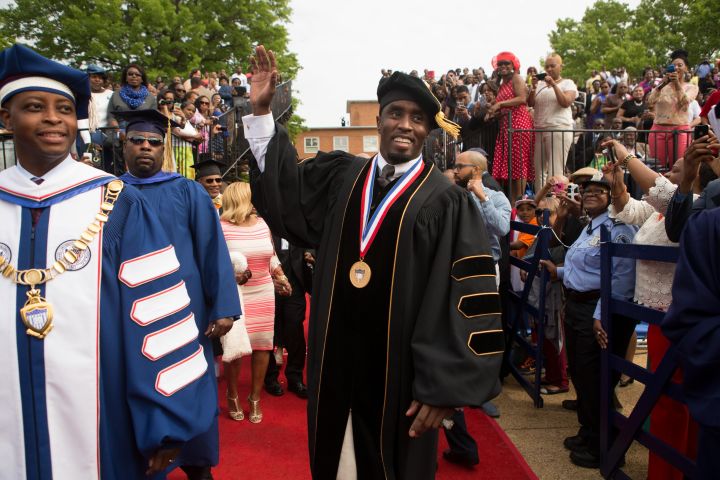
x,y
223,141
557,151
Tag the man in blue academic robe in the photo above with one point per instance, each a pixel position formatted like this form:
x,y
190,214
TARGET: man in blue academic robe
x,y
190,220
103,375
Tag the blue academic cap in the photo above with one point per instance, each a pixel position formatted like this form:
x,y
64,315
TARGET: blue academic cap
x,y
23,69
147,121
93,69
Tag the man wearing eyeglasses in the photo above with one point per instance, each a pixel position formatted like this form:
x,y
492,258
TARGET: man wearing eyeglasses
x,y
469,173
193,227
207,174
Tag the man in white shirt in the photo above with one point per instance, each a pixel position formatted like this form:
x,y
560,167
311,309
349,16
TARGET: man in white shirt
x,y
240,75
99,102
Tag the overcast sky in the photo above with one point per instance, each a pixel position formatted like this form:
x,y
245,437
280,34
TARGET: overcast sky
x,y
342,45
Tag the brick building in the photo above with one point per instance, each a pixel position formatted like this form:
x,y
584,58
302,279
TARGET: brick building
x,y
360,136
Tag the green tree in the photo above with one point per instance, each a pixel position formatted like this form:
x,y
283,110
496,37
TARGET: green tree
x,y
166,36
612,34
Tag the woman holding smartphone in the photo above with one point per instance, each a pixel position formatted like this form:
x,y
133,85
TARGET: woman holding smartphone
x,y
670,101
551,96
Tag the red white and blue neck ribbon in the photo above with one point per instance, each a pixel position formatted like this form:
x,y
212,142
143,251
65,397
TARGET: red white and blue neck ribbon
x,y
370,226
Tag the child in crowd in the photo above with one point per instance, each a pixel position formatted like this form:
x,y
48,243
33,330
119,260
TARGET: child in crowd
x,y
525,209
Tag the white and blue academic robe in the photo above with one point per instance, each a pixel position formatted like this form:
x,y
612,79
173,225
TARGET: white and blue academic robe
x,y
190,220
122,373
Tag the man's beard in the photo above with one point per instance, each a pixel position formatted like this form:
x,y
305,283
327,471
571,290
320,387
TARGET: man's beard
x,y
397,158
462,182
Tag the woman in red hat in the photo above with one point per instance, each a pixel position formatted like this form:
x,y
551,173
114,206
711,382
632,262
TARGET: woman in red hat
x,y
512,99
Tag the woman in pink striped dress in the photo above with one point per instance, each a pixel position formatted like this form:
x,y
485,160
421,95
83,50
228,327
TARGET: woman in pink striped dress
x,y
249,235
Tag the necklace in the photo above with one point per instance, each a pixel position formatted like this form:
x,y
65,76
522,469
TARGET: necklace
x,y
37,313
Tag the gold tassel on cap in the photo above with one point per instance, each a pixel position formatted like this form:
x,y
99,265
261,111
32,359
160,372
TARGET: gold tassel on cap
x,y
168,163
452,128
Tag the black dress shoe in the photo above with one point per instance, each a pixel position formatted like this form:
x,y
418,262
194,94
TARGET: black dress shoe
x,y
197,473
569,404
576,443
585,459
298,388
274,389
460,459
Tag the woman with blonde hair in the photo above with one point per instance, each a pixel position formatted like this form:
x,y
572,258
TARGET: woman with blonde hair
x,y
248,234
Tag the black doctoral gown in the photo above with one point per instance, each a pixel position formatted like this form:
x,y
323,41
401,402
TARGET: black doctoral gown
x,y
426,328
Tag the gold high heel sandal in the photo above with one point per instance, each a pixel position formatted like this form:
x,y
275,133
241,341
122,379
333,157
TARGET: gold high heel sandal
x,y
255,415
234,410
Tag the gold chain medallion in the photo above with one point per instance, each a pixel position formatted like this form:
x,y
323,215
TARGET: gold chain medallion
x,y
37,315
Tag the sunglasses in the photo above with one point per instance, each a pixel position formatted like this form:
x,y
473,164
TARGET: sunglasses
x,y
180,90
139,140
134,74
204,103
213,180
502,63
460,166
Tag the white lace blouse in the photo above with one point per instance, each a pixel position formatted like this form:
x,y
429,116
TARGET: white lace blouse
x,y
653,280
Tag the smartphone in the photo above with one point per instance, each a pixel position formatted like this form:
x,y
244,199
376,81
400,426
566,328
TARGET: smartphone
x,y
610,154
541,76
701,131
670,68
572,190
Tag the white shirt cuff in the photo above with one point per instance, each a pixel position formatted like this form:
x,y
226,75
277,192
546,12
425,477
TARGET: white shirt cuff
x,y
259,130
258,126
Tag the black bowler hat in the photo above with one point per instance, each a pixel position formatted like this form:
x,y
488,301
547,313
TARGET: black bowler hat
x,y
401,86
206,168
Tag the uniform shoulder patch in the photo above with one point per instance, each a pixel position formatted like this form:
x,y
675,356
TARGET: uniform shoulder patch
x,y
622,238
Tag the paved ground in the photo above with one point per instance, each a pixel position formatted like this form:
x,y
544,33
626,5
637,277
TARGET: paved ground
x,y
539,433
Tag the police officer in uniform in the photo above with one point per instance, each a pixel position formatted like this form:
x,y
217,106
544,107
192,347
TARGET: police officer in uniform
x,y
584,334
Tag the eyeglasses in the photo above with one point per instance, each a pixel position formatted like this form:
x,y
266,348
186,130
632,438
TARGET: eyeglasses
x,y
594,193
503,63
460,166
134,74
213,180
139,140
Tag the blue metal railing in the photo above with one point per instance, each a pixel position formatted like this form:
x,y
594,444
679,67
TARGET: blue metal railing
x,y
517,321
656,383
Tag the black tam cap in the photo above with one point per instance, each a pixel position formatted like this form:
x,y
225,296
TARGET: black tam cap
x,y
147,121
401,86
206,168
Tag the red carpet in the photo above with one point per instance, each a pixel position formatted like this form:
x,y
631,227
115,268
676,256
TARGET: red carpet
x,y
276,449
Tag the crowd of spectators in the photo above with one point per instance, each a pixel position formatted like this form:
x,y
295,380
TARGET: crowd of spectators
x,y
615,150
610,101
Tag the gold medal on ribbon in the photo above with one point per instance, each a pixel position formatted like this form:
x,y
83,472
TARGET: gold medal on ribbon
x,y
360,274
37,315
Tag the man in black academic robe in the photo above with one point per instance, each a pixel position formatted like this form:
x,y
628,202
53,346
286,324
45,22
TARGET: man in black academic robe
x,y
390,360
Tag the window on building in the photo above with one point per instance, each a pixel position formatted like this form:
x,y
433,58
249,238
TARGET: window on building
x,y
370,143
341,143
312,144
